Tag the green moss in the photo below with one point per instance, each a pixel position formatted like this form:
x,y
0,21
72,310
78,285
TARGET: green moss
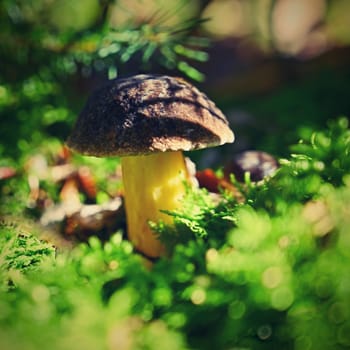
x,y
270,273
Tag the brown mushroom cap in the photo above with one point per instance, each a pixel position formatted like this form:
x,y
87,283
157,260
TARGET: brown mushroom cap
x,y
148,113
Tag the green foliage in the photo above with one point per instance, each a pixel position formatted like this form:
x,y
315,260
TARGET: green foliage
x,y
91,39
64,299
268,273
326,153
201,218
19,253
169,47
320,157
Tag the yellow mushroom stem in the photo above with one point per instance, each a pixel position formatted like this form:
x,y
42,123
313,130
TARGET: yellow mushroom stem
x,y
152,183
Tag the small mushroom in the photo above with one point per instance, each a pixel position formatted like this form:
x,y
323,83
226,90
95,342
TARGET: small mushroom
x,y
148,120
257,163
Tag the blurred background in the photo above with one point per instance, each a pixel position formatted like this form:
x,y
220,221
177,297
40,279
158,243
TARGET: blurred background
x,y
275,67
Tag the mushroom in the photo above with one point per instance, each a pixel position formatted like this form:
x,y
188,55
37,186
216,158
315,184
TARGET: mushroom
x,y
148,120
257,163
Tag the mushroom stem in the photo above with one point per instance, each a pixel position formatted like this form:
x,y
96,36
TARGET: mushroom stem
x,y
152,183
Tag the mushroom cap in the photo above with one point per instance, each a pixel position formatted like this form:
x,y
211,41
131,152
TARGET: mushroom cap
x,y
148,113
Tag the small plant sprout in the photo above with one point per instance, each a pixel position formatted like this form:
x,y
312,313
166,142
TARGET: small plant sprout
x,y
148,120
